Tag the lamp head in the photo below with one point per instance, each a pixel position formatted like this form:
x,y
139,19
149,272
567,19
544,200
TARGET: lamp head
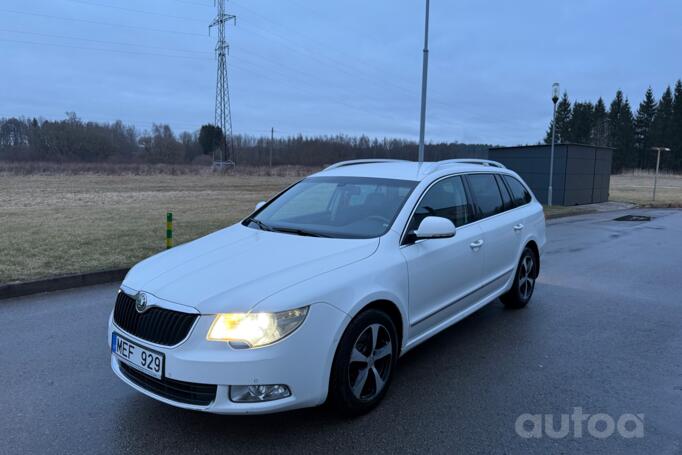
x,y
555,92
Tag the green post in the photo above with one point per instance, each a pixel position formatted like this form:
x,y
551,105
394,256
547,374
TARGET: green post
x,y
169,230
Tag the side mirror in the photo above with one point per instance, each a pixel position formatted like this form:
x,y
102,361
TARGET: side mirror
x,y
434,227
260,204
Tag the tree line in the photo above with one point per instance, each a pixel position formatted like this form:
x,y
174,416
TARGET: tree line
x,y
656,123
74,140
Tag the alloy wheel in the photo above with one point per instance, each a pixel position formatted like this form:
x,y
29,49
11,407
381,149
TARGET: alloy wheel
x,y
527,277
370,362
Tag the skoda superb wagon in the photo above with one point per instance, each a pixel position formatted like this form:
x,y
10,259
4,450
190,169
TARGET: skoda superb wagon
x,y
316,295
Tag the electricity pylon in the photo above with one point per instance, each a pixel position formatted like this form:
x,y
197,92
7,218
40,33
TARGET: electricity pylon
x,y
223,115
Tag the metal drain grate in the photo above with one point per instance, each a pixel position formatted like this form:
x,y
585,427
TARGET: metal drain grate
x,y
633,218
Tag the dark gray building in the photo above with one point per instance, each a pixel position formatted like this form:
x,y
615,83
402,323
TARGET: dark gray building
x,y
582,173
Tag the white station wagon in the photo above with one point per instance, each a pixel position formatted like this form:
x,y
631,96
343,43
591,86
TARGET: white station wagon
x,y
316,295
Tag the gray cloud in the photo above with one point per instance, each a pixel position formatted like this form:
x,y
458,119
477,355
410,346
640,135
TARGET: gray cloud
x,y
334,67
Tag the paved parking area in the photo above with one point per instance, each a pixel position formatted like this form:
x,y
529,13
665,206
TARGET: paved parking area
x,y
603,333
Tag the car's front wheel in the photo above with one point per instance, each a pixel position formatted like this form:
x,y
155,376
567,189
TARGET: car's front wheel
x,y
364,363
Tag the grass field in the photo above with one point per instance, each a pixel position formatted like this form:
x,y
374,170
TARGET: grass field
x,y
637,187
59,224
54,224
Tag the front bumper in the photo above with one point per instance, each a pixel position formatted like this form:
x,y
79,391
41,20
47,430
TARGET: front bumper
x,y
302,361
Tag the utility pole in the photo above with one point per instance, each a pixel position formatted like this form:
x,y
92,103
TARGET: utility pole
x,y
272,140
555,98
223,115
658,163
425,70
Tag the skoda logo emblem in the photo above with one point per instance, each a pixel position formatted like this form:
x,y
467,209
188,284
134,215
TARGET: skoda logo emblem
x,y
141,302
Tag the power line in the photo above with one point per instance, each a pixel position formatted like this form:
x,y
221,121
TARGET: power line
x,y
250,68
347,63
109,24
258,68
136,10
255,70
193,3
342,66
118,43
101,49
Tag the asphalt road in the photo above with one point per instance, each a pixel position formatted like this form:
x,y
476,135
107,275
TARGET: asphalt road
x,y
603,333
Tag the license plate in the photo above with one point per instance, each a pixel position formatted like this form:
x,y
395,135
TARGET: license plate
x,y
139,357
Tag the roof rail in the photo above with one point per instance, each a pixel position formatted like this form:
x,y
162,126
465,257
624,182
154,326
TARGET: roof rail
x,y
471,161
367,161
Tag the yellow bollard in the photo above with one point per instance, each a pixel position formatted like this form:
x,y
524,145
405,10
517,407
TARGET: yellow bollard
x,y
169,230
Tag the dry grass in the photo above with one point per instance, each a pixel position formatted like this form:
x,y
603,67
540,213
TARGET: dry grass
x,y
637,187
632,187
58,224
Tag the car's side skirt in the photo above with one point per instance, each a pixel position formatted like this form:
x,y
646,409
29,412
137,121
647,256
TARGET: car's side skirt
x,y
480,303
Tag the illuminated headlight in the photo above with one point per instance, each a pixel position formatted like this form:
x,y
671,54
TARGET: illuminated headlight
x,y
250,330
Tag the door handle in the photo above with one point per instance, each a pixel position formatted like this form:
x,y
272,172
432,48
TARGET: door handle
x,y
476,245
518,227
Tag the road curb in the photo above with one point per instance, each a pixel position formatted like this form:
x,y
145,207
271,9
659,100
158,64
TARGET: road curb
x,y
557,216
59,283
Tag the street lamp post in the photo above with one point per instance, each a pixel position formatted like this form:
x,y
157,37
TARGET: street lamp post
x,y
425,69
555,98
658,163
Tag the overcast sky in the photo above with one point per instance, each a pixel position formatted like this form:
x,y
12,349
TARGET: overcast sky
x,y
332,66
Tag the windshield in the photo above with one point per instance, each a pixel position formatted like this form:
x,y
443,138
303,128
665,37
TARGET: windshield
x,y
340,207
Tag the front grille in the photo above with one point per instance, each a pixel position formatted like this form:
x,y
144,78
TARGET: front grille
x,y
157,325
180,391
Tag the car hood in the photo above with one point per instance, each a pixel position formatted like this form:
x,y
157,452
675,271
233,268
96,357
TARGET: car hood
x,y
235,268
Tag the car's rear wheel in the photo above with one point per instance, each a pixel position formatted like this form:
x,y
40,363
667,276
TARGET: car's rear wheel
x,y
524,282
364,363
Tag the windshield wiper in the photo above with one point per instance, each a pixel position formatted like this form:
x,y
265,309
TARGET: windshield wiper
x,y
297,231
262,226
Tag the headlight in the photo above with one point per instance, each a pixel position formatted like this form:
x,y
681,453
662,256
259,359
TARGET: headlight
x,y
255,329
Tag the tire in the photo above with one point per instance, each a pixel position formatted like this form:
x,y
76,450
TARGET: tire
x,y
524,281
365,358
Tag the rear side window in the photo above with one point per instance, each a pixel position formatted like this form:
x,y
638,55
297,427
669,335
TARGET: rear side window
x,y
520,194
486,194
446,199
506,198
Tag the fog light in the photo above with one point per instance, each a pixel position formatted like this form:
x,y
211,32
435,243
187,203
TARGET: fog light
x,y
258,393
